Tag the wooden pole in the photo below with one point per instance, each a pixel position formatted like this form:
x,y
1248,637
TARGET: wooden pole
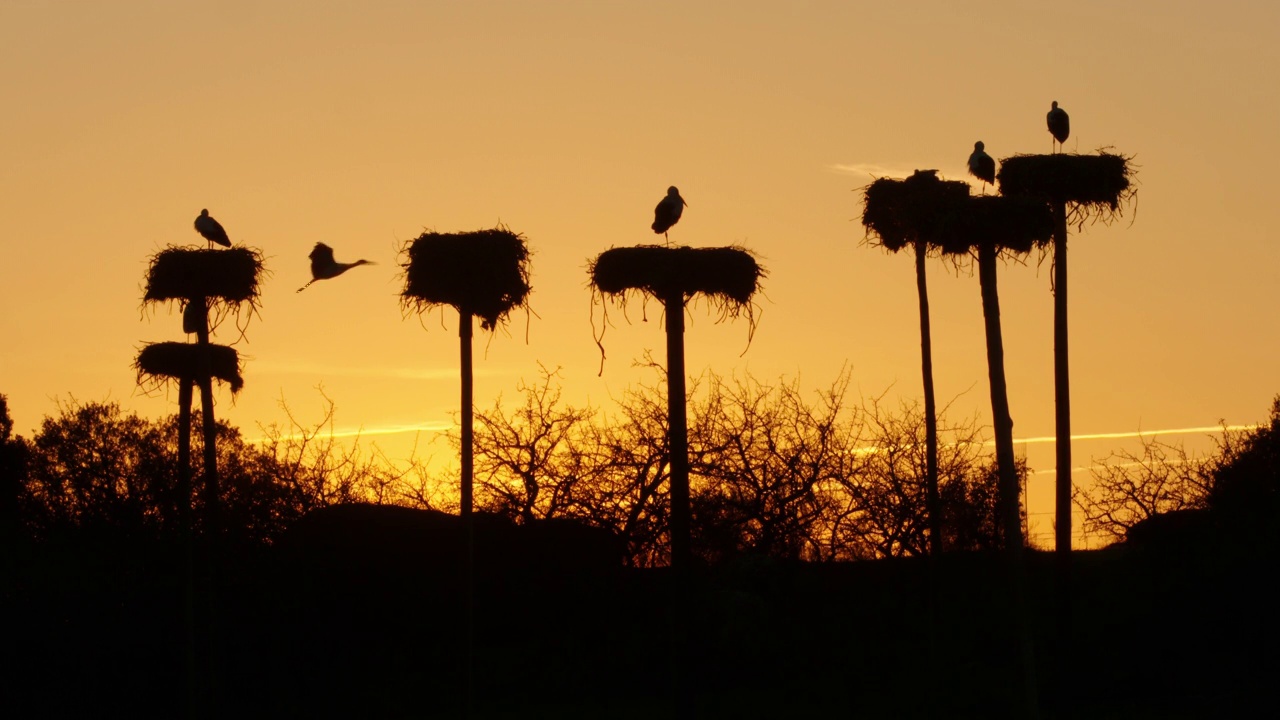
x,y
678,435
1010,503
934,501
210,430
1062,489
1061,382
466,507
186,534
212,520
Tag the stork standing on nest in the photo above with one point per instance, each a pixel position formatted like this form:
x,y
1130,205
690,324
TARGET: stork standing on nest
x,y
323,266
982,166
1059,124
211,230
668,212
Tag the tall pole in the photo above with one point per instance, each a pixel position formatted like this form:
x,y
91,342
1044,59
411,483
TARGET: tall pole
x,y
468,393
1062,489
930,407
466,508
678,434
185,388
1010,504
207,422
1061,382
212,520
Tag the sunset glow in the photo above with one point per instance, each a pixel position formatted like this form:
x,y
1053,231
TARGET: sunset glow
x,y
360,124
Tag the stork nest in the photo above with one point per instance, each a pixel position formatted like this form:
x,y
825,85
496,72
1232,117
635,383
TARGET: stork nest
x,y
1014,224
187,274
728,276
921,207
483,273
159,362
1096,184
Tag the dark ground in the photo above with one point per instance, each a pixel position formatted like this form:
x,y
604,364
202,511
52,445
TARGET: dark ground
x,y
96,629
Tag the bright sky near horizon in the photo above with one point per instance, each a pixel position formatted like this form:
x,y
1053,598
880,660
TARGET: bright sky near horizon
x,y
358,124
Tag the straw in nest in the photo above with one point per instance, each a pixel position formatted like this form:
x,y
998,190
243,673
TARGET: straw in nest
x,y
899,212
483,273
188,274
1098,182
1013,224
728,275
160,361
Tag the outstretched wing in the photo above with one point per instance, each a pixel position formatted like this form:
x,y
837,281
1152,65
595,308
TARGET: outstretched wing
x,y
321,257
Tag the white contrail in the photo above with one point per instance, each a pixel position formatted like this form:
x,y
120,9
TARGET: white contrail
x,y
1134,434
361,432
406,373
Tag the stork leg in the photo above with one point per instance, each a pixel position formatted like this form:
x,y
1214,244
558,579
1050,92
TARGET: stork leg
x,y
664,237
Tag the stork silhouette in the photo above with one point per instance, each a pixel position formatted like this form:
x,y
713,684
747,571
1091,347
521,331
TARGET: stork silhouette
x,y
982,166
323,266
211,230
1059,124
668,212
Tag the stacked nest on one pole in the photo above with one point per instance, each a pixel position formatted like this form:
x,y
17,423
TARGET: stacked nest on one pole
x,y
227,279
1095,184
483,273
921,207
159,362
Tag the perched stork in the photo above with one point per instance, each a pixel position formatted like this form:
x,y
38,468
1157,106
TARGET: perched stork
x,y
211,230
982,166
668,212
1059,124
323,266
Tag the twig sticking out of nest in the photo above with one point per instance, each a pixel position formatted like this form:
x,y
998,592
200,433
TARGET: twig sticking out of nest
x,y
189,274
483,273
921,207
1099,183
158,362
1014,224
728,276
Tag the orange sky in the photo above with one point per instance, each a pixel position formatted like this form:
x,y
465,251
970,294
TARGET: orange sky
x,y
358,124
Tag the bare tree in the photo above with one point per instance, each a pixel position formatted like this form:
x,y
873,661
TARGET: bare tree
x,y
1129,487
766,461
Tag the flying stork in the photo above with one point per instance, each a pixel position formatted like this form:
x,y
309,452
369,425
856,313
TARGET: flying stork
x,y
1059,124
211,230
668,212
323,266
982,166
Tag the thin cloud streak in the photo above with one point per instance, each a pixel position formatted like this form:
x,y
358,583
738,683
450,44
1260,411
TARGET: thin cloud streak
x,y
361,432
872,171
402,373
1136,434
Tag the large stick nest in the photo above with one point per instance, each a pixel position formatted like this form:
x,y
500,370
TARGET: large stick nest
x,y
1095,183
159,362
188,274
728,276
1014,224
900,212
483,273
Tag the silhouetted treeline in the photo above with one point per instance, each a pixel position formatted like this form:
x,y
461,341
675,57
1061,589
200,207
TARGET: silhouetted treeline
x,y
775,473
